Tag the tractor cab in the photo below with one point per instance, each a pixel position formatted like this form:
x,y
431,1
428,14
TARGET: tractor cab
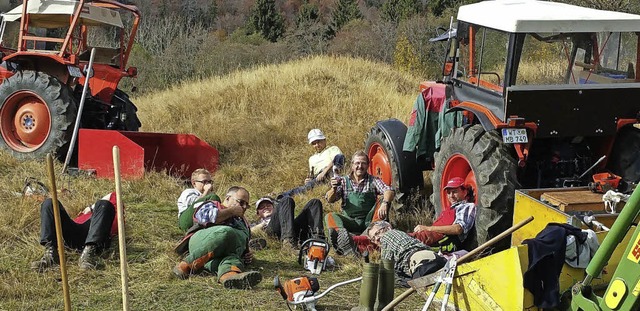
x,y
542,46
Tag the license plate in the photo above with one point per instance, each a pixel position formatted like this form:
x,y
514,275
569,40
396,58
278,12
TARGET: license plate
x,y
514,136
74,71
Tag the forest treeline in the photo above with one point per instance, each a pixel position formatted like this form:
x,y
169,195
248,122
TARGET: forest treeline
x,y
193,39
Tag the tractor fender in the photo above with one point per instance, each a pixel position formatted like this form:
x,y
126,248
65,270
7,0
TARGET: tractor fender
x,y
393,132
485,120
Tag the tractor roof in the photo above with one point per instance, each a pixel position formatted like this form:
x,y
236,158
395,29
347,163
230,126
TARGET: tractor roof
x,y
55,13
526,16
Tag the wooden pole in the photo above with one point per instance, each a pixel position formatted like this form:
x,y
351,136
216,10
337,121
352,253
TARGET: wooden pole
x,y
121,236
462,259
59,238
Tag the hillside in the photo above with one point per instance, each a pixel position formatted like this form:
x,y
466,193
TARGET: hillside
x,y
258,119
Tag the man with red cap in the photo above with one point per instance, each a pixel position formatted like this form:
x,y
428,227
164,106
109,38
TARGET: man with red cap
x,y
454,223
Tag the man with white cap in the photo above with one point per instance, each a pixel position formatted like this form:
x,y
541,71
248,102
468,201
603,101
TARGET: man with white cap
x,y
320,163
277,219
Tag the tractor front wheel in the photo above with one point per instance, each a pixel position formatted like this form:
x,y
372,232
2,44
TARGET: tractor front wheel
x,y
387,160
488,168
37,114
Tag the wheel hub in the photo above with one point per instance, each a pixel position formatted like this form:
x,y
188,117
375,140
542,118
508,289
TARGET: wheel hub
x,y
379,163
28,123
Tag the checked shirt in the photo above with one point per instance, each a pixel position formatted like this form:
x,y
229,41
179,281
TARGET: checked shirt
x,y
399,246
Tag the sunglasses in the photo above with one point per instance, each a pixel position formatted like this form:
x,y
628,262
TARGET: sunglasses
x,y
242,203
205,181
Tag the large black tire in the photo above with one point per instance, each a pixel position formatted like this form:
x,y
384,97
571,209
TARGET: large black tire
x,y
36,116
395,167
490,171
625,155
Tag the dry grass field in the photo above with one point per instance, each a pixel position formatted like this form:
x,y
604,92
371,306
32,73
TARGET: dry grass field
x,y
258,119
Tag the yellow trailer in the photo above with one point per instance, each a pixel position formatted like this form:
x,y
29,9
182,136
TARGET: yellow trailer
x,y
495,282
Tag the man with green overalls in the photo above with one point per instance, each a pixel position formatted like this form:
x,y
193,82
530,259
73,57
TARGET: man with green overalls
x,y
360,194
221,247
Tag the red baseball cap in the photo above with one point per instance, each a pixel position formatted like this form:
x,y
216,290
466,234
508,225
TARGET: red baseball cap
x,y
454,182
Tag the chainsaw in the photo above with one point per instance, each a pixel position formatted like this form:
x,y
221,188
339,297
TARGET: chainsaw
x,y
313,255
302,291
603,182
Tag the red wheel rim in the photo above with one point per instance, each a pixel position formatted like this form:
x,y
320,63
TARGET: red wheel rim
x,y
379,163
25,121
457,166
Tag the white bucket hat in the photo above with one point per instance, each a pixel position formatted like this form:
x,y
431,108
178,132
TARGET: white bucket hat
x,y
315,134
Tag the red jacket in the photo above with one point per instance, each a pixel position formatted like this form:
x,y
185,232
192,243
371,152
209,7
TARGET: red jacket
x,y
82,218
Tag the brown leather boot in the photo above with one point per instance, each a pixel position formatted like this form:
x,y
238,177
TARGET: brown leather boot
x,y
182,270
235,279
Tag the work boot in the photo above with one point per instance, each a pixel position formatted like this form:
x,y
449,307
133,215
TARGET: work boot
x,y
343,242
257,244
290,244
182,270
88,258
240,280
368,287
386,284
49,260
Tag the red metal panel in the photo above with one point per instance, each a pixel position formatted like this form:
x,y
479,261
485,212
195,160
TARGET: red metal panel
x,y
178,154
95,152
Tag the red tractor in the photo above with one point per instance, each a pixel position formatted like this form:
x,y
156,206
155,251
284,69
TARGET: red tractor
x,y
46,46
543,96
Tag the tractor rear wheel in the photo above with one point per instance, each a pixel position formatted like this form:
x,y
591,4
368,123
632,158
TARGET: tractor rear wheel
x,y
37,114
625,155
488,168
387,160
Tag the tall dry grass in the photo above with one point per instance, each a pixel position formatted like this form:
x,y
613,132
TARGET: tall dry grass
x,y
258,119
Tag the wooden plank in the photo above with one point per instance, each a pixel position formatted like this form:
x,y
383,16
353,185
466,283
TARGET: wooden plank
x,y
575,201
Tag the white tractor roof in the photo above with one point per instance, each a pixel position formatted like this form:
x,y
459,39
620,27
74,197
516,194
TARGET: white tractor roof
x,y
55,13
542,16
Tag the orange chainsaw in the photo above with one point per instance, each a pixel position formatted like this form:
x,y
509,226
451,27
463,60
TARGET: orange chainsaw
x,y
302,290
313,255
603,182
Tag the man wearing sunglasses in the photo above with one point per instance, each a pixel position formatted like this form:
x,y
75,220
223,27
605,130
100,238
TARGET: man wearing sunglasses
x,y
221,245
190,198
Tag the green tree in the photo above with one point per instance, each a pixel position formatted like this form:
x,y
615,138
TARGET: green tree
x,y
346,11
308,13
395,11
267,20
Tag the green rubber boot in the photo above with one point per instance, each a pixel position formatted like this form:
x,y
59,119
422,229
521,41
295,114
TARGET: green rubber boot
x,y
368,288
386,284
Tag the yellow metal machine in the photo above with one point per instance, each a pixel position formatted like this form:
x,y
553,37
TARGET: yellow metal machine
x,y
495,282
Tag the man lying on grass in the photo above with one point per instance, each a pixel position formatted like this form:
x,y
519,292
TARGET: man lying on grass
x,y
220,246
90,232
412,259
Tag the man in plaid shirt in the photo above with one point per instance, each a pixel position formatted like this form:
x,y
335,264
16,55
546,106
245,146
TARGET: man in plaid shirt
x,y
454,223
411,257
359,193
